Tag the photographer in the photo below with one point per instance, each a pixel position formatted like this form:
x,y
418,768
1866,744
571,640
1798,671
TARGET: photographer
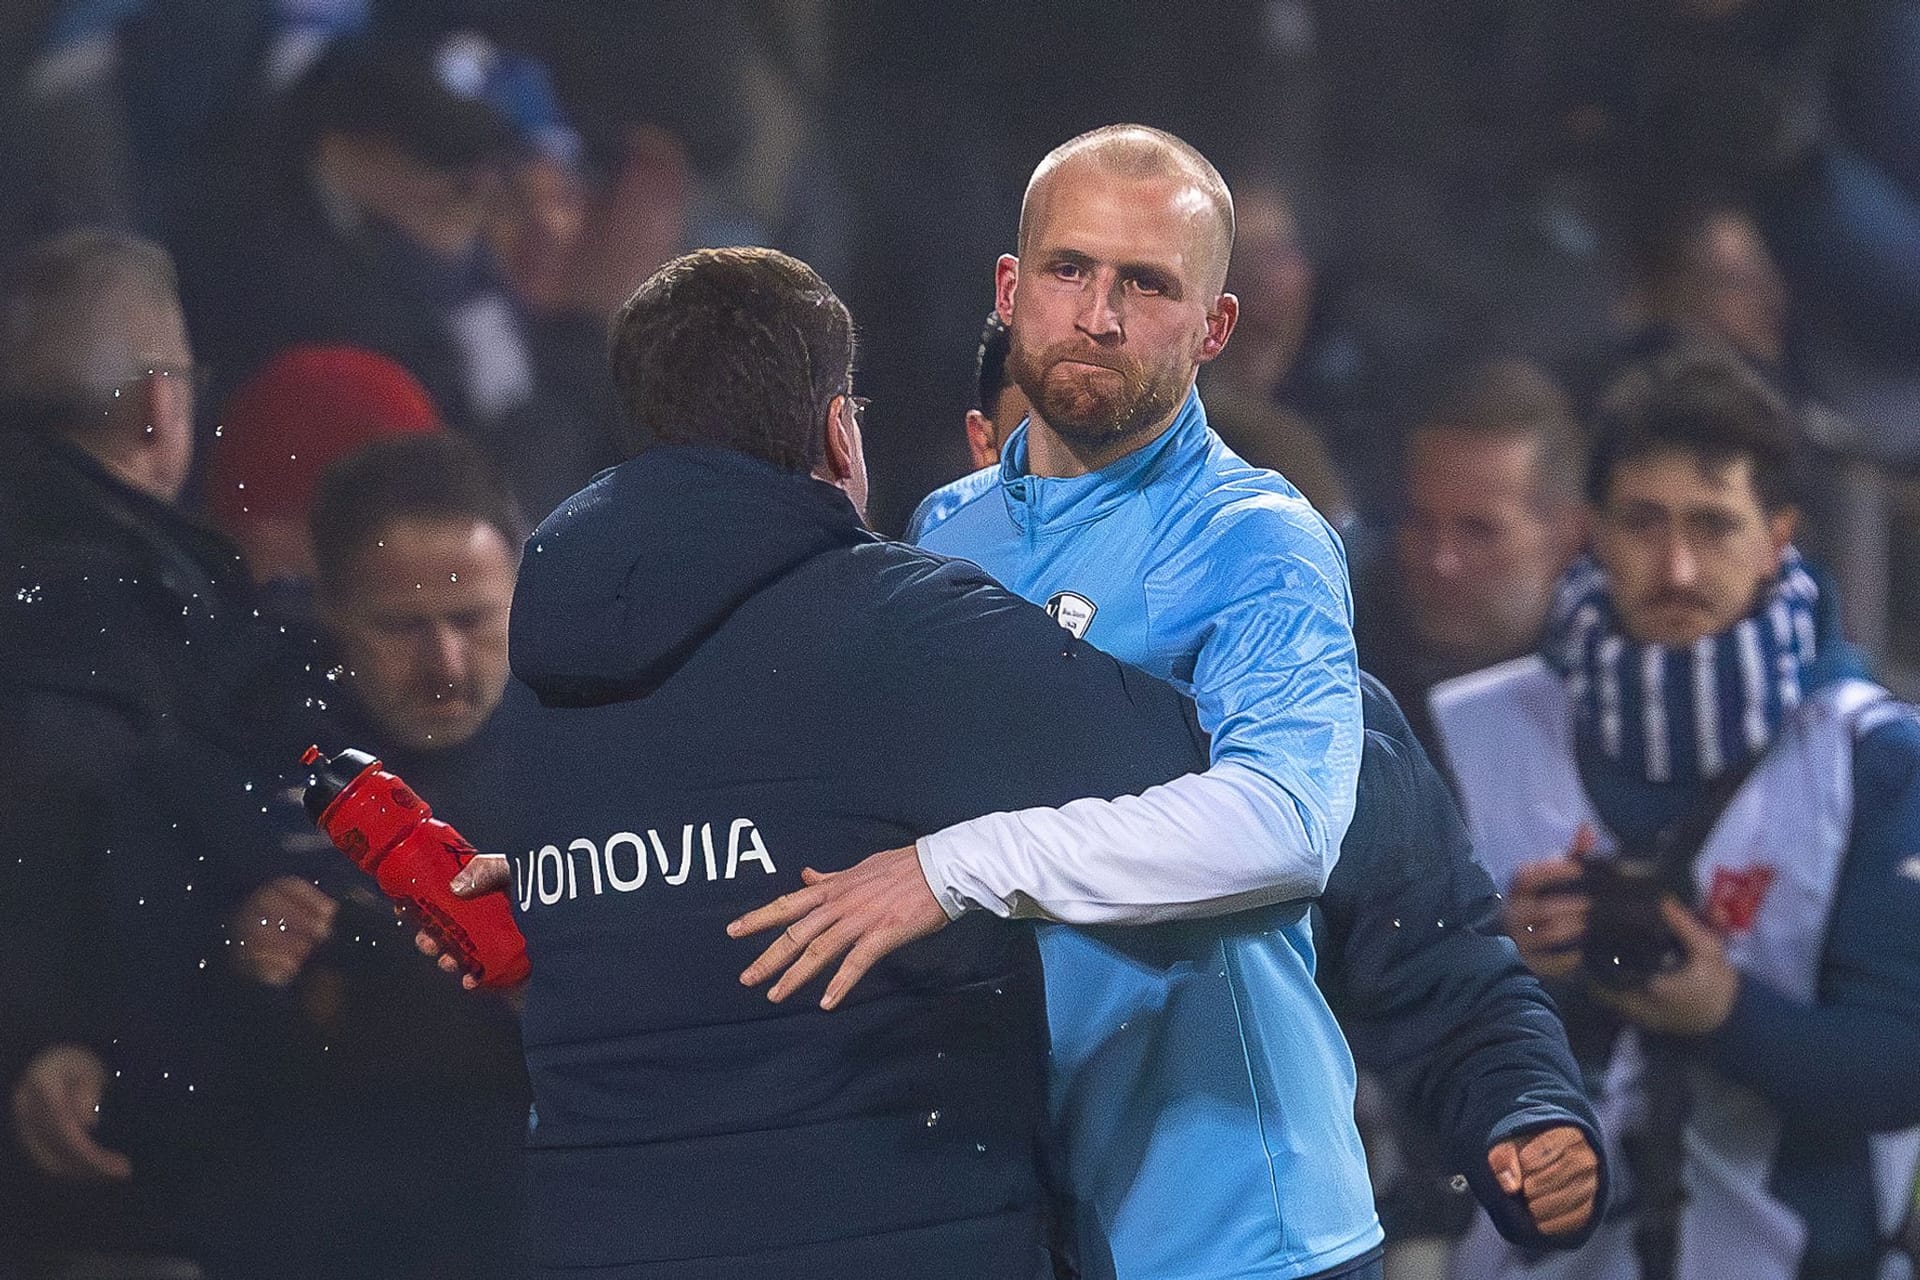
x,y
1707,819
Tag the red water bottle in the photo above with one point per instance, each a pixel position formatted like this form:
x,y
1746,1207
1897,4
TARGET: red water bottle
x,y
378,821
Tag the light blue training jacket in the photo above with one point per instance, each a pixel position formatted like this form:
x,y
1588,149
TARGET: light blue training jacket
x,y
1201,1091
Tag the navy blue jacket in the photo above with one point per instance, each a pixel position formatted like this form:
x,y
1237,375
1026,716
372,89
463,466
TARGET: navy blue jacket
x,y
1431,993
724,654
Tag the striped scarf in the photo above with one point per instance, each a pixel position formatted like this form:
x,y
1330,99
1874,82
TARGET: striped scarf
x,y
1678,715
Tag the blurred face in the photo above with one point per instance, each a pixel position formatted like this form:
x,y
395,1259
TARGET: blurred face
x,y
443,210
423,628
1113,307
160,343
1731,289
1271,274
1687,547
1478,551
535,232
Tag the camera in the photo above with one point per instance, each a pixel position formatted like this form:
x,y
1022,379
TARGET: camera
x,y
1628,941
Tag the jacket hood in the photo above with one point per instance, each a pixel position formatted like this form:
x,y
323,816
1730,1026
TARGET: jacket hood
x,y
621,584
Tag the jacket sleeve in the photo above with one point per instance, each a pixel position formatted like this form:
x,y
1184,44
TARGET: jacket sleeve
x,y
1262,593
1431,994
1847,1060
60,811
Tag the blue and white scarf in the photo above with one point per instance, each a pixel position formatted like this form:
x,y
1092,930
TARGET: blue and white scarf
x,y
1686,714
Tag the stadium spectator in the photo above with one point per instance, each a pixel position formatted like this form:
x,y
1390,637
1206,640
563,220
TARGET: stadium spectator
x,y
998,405
416,540
1246,387
366,227
143,711
1492,517
307,408
1738,803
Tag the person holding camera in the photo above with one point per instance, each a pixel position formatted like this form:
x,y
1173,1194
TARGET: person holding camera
x,y
1707,820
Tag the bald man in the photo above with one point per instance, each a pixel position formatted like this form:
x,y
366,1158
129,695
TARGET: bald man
x,y
1201,1090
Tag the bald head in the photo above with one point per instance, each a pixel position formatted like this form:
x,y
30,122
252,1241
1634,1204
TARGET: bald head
x,y
1138,153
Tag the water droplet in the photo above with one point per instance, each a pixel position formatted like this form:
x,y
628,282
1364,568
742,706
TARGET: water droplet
x,y
219,429
247,787
31,595
1439,924
980,1148
1459,1183
453,577
1396,922
203,964
933,1118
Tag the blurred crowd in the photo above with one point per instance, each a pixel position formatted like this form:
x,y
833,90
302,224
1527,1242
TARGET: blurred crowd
x,y
317,291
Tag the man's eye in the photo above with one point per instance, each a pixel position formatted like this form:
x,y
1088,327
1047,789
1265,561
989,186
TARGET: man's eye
x,y
1067,270
1640,521
1715,527
1147,285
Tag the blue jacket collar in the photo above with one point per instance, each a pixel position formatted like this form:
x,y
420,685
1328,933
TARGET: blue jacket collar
x,y
1041,503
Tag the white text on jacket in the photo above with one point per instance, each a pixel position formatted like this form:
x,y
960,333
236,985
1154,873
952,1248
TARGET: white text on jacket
x,y
621,862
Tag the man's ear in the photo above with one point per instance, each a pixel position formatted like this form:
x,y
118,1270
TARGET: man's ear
x,y
839,440
1781,526
980,442
1006,276
1221,319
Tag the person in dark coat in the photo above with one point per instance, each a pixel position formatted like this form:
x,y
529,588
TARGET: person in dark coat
x,y
142,711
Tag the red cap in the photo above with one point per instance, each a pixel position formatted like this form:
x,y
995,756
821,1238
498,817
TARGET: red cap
x,y
305,409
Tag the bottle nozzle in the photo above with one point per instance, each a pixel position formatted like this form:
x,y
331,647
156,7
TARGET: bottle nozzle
x,y
335,774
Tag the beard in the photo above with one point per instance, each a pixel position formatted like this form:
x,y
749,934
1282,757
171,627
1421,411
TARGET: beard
x,y
1092,408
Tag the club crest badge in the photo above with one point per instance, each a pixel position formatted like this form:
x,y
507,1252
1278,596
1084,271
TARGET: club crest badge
x,y
1072,611
1735,898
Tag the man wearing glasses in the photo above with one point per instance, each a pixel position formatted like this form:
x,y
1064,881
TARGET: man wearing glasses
x,y
137,707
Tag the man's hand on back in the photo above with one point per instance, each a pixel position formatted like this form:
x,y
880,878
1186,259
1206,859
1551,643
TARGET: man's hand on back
x,y
863,913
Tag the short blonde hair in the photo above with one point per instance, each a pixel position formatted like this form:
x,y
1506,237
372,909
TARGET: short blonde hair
x,y
1142,152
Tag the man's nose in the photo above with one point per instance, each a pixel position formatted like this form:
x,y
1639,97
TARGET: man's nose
x,y
1100,315
1444,559
1682,565
447,653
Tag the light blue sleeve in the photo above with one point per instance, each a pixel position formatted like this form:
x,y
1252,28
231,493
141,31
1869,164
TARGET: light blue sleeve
x,y
1276,678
